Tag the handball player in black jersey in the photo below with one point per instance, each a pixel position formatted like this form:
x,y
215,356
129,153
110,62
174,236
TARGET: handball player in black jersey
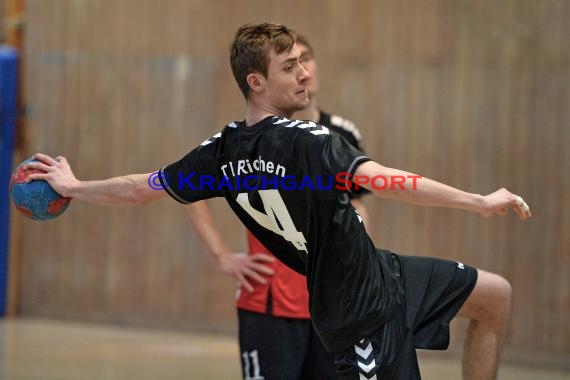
x,y
370,307
276,336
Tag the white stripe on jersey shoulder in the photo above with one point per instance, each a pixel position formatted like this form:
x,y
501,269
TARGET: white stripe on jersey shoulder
x,y
212,139
347,125
218,135
315,129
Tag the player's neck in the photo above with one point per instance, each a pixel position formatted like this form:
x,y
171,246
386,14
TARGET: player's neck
x,y
254,113
310,113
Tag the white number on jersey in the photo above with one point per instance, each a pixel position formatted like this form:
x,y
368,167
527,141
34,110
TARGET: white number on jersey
x,y
276,217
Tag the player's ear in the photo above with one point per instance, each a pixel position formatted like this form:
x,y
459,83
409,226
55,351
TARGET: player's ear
x,y
256,82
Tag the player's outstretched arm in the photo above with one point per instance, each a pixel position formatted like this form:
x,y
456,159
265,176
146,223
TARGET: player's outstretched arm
x,y
411,188
126,190
242,266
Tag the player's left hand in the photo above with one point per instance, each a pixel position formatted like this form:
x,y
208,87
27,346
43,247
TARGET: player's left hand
x,y
57,173
501,201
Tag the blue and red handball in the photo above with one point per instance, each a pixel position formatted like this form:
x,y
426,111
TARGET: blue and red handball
x,y
35,199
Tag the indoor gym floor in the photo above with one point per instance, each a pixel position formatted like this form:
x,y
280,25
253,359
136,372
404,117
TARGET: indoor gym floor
x,y
33,349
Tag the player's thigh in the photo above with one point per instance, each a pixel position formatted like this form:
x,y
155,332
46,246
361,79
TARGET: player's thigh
x,y
271,347
490,299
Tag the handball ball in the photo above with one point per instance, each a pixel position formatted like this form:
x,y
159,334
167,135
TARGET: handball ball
x,y
36,199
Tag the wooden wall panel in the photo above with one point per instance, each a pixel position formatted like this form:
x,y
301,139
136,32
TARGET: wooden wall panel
x,y
3,21
474,94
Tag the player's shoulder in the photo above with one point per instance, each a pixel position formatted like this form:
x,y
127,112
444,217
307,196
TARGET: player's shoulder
x,y
212,140
337,122
301,127
275,128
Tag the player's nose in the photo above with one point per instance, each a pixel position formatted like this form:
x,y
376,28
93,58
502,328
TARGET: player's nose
x,y
303,73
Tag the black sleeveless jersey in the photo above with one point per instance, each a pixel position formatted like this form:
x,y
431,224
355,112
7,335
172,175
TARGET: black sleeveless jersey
x,y
286,181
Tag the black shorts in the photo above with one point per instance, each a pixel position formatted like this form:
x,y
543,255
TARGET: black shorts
x,y
427,294
275,348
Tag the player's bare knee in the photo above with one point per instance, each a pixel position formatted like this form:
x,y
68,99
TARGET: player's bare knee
x,y
506,294
499,302
490,301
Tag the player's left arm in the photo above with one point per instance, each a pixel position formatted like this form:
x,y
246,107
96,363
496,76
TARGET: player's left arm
x,y
420,190
125,190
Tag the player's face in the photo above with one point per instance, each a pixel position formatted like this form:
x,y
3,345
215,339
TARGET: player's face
x,y
286,82
308,61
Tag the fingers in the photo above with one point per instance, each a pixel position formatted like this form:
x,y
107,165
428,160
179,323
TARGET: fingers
x,y
256,261
43,162
262,257
521,203
37,176
255,270
521,208
41,173
254,276
45,158
37,165
252,268
260,268
243,282
243,279
61,160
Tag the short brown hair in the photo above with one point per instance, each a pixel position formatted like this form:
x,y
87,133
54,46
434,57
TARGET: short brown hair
x,y
251,46
303,40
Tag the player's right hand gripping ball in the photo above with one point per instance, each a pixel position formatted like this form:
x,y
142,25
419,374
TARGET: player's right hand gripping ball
x,y
36,199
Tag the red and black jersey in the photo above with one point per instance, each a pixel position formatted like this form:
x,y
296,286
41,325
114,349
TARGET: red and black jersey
x,y
278,176
284,294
